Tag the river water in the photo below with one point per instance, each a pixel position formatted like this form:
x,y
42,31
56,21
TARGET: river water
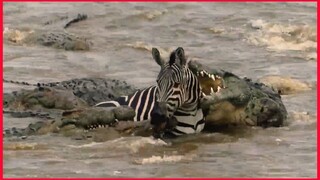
x,y
248,39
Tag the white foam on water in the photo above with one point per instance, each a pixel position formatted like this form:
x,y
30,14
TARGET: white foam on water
x,y
15,35
282,37
91,144
302,117
287,85
137,143
131,143
164,159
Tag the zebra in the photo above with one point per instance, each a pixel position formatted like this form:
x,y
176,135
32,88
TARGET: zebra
x,y
172,105
179,94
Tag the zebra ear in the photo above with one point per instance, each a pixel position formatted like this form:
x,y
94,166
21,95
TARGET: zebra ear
x,y
157,57
180,57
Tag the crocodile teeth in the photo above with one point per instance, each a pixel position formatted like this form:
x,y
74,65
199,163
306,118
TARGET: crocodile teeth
x,y
100,126
203,94
201,73
218,88
212,77
212,91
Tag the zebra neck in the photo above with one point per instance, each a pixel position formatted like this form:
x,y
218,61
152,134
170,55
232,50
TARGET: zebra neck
x,y
192,92
187,110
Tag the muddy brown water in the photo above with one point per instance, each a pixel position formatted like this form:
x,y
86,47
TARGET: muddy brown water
x,y
248,39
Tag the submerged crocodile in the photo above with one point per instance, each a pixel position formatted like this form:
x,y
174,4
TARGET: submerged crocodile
x,y
90,90
56,36
64,110
58,101
228,100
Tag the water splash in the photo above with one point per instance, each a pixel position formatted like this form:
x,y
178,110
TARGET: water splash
x,y
284,37
135,144
302,117
164,159
16,36
285,85
91,144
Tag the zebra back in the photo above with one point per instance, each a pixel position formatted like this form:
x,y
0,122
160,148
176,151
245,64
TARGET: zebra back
x,y
142,101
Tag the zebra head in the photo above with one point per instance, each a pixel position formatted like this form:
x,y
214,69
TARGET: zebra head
x,y
178,88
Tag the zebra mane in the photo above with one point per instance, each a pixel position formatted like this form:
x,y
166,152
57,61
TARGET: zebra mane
x,y
172,58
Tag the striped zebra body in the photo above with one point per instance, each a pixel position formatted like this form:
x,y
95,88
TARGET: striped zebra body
x,y
142,101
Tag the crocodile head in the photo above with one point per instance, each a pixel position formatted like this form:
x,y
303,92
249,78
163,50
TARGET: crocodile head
x,y
230,100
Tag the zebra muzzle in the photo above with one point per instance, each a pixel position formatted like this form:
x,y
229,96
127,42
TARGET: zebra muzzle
x,y
159,119
159,113
160,129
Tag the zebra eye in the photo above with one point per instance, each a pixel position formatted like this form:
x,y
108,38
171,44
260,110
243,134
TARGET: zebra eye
x,y
176,85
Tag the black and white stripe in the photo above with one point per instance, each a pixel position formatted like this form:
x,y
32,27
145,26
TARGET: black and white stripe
x,y
182,99
180,91
142,101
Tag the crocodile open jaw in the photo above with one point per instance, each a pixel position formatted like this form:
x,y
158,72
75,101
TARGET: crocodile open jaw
x,y
211,84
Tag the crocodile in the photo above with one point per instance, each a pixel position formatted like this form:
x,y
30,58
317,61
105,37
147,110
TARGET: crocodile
x,y
238,101
96,123
56,36
90,90
80,124
61,105
62,111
